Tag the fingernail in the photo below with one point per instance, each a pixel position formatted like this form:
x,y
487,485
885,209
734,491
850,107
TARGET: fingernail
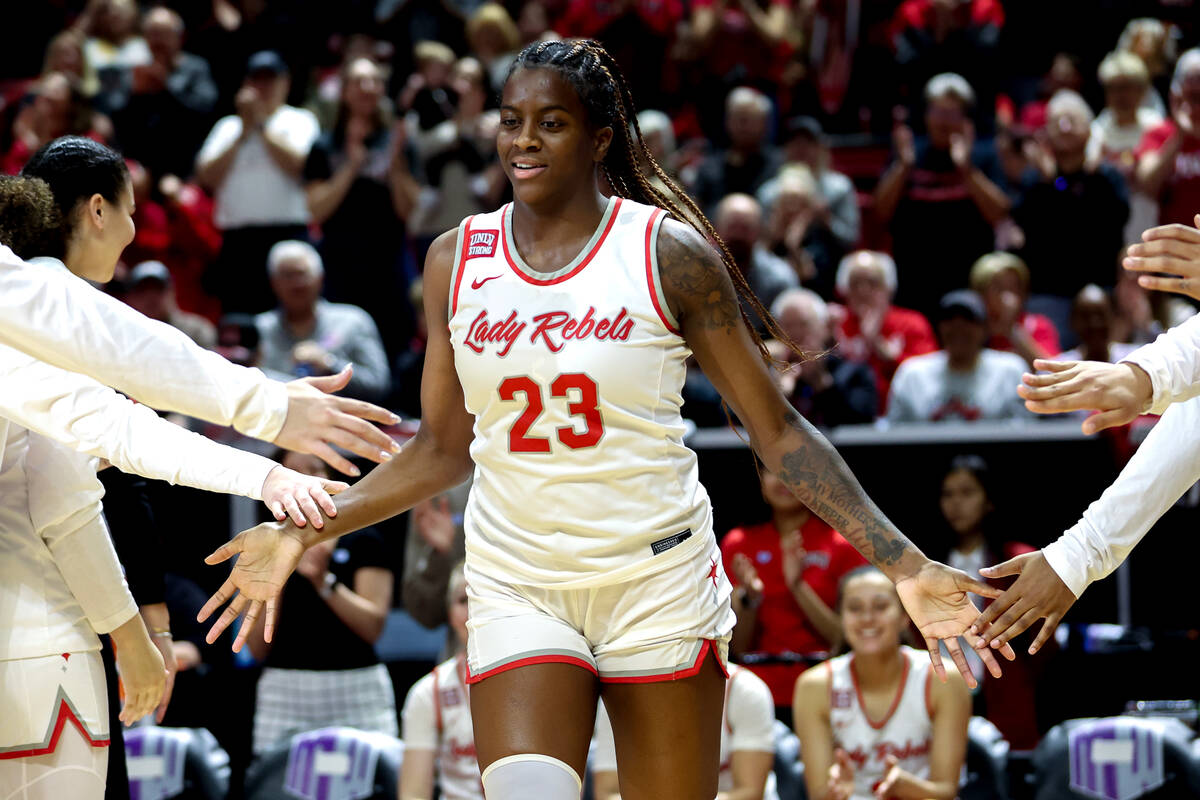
x,y
384,455
395,446
395,419
355,471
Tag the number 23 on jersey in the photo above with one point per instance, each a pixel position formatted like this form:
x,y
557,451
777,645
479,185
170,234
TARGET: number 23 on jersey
x,y
585,404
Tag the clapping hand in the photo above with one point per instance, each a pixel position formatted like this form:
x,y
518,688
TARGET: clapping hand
x,y
841,777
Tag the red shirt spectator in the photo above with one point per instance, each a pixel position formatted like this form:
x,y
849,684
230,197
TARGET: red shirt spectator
x,y
733,42
1040,329
589,18
906,330
782,627
1179,198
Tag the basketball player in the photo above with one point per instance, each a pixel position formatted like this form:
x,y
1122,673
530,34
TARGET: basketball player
x,y
559,329
1160,378
872,723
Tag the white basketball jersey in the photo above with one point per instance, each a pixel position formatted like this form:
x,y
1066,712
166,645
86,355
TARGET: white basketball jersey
x,y
906,732
457,763
575,379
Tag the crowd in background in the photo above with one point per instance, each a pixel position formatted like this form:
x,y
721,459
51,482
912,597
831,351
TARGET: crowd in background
x,y
934,193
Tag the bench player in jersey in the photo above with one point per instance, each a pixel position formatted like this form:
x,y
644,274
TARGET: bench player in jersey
x,y
559,328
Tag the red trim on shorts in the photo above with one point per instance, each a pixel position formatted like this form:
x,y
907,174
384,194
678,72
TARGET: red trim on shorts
x,y
587,259
462,265
526,662
658,307
676,675
895,702
64,713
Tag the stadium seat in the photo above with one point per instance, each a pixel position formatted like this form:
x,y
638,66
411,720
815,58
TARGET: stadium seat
x,y
986,766
789,769
169,763
1116,758
328,764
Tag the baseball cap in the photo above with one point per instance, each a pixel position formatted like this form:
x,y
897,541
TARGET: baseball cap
x,y
962,303
266,61
149,271
804,126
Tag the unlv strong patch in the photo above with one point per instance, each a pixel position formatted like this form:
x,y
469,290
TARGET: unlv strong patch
x,y
482,243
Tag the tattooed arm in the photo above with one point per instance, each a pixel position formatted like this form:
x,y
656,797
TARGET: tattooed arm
x,y
700,293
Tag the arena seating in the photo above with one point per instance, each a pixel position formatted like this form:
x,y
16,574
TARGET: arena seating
x,y
328,764
175,763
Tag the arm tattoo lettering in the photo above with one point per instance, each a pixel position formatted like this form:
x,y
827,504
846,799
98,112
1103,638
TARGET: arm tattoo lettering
x,y
819,477
695,279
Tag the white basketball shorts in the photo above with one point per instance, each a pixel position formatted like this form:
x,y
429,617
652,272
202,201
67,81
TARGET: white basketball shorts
x,y
41,696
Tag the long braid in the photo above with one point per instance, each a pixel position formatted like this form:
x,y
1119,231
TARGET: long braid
x,y
595,75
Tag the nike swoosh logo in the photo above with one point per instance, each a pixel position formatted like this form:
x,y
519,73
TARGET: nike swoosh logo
x,y
475,284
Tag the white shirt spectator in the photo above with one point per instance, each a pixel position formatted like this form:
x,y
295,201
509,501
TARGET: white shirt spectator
x,y
1117,351
1117,144
747,725
925,389
256,191
437,717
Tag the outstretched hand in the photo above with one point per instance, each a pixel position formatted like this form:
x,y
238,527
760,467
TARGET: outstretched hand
x,y
1038,592
288,493
1119,392
317,421
1169,258
937,600
267,555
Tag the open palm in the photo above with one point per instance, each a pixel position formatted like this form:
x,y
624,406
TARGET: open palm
x,y
267,555
937,600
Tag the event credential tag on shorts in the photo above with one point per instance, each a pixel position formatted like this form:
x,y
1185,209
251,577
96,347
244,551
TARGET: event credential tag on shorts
x,y
663,545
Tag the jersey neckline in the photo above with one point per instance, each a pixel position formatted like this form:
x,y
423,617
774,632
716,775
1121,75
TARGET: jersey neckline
x,y
581,260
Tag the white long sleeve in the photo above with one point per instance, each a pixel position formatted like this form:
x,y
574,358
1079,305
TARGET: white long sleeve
x,y
65,511
1164,467
58,318
90,418
1173,363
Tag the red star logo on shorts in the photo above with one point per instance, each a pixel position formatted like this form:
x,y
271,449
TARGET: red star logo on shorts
x,y
712,574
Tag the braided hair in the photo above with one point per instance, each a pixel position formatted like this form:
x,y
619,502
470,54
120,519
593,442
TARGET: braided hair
x,y
605,95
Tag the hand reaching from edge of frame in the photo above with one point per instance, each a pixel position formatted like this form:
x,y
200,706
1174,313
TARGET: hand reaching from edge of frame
x,y
1037,593
1120,392
1171,249
301,497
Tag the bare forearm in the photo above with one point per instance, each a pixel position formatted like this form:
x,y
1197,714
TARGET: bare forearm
x,y
287,159
889,191
743,630
405,191
1155,169
989,199
211,173
805,460
324,197
362,616
819,614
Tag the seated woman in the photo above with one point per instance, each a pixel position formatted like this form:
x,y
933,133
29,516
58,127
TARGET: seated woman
x,y
785,573
320,668
747,744
1002,280
874,723
439,740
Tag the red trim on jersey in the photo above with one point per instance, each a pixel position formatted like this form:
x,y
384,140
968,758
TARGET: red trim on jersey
x,y
525,662
587,259
676,675
829,670
928,693
658,307
64,713
437,704
461,259
895,702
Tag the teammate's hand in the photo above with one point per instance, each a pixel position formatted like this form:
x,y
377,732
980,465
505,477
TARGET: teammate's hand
x,y
936,599
158,618
1173,249
288,493
1038,592
317,420
141,668
267,555
898,782
841,777
1118,391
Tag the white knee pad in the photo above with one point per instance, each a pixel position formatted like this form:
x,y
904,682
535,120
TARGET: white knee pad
x,y
530,775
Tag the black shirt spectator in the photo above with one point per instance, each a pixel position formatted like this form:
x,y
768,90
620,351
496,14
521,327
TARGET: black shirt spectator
x,y
748,162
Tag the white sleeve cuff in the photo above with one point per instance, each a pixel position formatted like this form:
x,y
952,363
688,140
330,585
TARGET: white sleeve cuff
x,y
1066,557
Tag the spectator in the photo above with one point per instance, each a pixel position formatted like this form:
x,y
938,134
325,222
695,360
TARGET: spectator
x,y
1092,320
805,143
1140,315
409,366
1169,155
150,292
739,223
874,723
320,668
361,191
113,41
306,335
252,161
976,536
871,329
823,386
1118,131
194,243
785,573
1064,74
938,36
170,99
427,95
797,232
964,380
748,162
65,54
947,183
659,135
55,107
494,40
439,740
1063,188
747,744
434,544
1002,280
1153,41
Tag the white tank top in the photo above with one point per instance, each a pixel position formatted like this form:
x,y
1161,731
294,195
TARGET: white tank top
x,y
906,732
457,764
575,379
